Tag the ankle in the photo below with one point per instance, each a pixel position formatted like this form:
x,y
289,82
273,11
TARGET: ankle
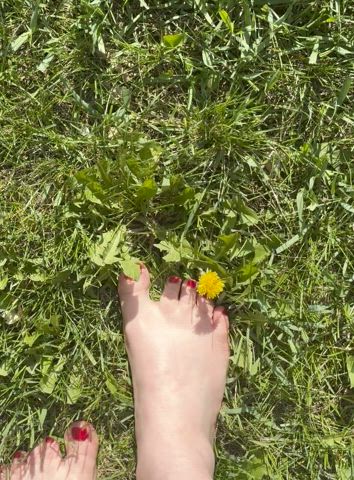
x,y
174,456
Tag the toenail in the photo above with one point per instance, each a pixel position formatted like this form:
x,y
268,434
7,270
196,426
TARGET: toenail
x,y
17,455
191,283
49,440
79,434
174,279
224,310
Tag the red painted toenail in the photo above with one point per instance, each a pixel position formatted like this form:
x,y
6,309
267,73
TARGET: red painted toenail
x,y
79,434
174,279
191,283
224,310
17,455
49,440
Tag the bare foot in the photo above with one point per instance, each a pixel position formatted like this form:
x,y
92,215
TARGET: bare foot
x,y
46,463
178,352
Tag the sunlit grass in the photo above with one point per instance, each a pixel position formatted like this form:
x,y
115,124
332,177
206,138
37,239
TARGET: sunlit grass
x,y
226,146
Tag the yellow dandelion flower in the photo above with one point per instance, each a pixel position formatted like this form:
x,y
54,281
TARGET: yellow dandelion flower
x,y
210,285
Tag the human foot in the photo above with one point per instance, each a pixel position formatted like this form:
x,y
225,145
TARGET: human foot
x,y
46,463
178,352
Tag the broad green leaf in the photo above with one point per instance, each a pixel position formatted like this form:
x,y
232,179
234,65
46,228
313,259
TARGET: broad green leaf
x,y
255,468
3,371
172,41
248,216
147,190
50,374
254,367
74,390
345,472
173,254
38,277
350,368
150,151
188,193
86,177
48,382
226,19
42,67
30,340
260,253
229,241
106,251
247,272
20,40
91,197
226,243
130,268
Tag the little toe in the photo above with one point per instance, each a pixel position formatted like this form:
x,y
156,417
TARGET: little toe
x,y
221,328
172,289
81,442
221,319
188,292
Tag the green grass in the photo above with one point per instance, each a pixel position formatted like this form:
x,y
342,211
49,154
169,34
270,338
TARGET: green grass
x,y
228,147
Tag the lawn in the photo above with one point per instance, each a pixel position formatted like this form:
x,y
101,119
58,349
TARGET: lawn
x,y
193,136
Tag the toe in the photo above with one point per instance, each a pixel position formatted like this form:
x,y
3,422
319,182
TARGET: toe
x,y
188,292
19,457
19,465
128,286
132,293
81,450
203,316
221,328
44,457
221,319
4,472
205,307
172,289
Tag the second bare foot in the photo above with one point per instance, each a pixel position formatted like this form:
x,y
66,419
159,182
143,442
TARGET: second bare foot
x,y
178,352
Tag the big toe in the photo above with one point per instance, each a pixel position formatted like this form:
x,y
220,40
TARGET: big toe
x,y
132,293
81,442
127,286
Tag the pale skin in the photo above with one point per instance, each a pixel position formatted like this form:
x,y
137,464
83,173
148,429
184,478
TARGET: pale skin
x,y
178,352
